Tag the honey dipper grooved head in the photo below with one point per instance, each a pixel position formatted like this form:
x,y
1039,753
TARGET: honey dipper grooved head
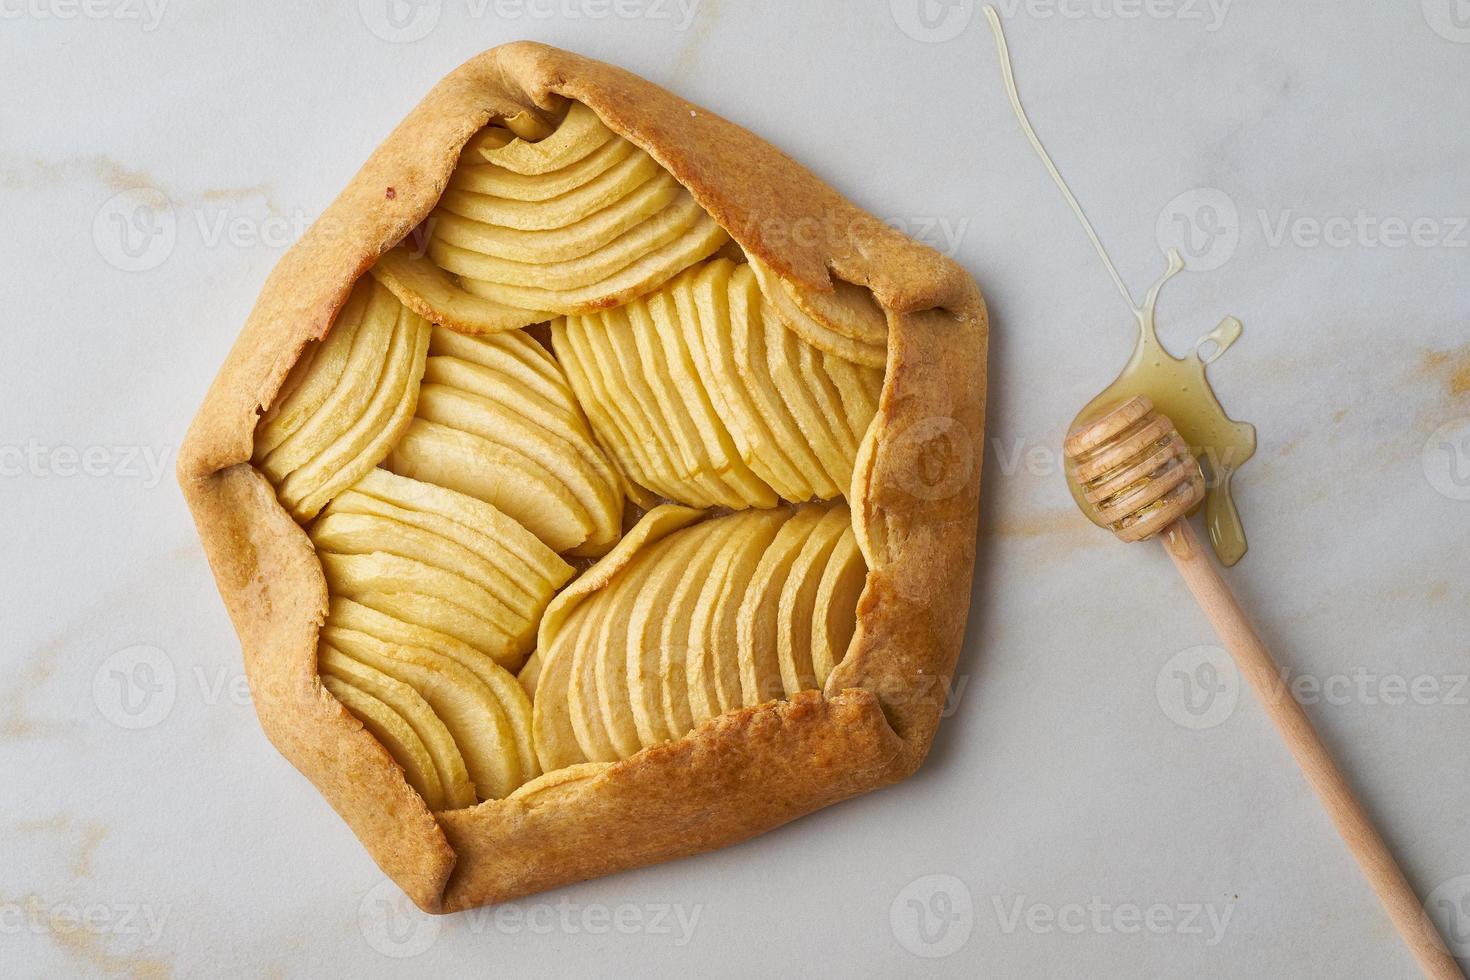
x,y
1135,469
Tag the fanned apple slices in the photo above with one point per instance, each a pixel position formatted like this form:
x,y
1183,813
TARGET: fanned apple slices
x,y
346,401
576,221
443,459
684,621
497,420
433,595
741,408
439,560
846,322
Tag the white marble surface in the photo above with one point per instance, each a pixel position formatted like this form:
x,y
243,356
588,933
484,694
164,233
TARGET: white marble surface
x,y
1068,806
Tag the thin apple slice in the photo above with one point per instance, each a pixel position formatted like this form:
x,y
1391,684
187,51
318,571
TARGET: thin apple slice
x,y
604,190
530,674
676,316
696,469
834,337
752,615
497,181
373,436
859,387
552,728
593,728
648,233
714,666
545,421
556,741
829,403
660,335
429,597
468,708
648,272
647,651
396,736
580,133
357,425
849,309
748,331
607,421
433,294
529,125
589,235
514,701
437,540
412,708
712,347
489,139
795,612
353,390
798,392
676,630
344,533
508,481
552,418
612,652
834,618
595,495
514,354
653,526
608,337
551,786
468,520
312,379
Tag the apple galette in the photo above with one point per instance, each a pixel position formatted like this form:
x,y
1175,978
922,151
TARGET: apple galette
x,y
592,486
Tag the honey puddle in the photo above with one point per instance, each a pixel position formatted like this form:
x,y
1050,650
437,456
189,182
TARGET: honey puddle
x,y
1178,386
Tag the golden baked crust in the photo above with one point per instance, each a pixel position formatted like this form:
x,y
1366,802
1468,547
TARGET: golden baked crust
x,y
914,503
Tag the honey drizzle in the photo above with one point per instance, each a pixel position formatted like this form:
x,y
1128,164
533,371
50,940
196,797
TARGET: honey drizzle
x,y
1178,386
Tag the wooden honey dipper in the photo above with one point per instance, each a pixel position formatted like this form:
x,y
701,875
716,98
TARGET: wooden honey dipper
x,y
1143,481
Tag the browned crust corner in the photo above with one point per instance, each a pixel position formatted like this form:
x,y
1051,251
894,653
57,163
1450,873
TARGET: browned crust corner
x,y
915,505
737,776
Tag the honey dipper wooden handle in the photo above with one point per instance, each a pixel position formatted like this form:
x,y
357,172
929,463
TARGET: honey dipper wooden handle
x,y
1256,665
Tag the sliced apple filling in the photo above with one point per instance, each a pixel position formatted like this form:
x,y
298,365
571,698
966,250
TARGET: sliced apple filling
x,y
345,402
439,560
741,408
846,322
497,420
686,620
443,460
433,595
577,220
